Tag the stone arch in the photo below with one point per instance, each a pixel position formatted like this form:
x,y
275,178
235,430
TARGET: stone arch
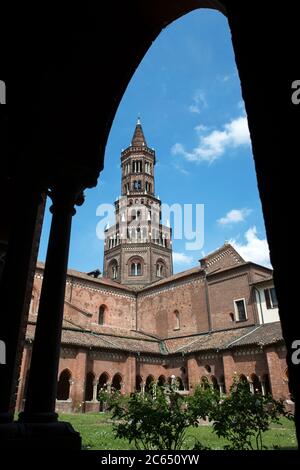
x,y
214,382
204,382
149,382
89,386
113,269
63,385
138,383
255,383
117,382
103,381
243,379
160,268
161,381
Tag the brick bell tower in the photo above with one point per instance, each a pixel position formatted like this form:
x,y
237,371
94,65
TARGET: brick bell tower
x,y
138,248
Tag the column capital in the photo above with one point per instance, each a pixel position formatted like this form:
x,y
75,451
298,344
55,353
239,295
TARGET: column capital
x,y
64,198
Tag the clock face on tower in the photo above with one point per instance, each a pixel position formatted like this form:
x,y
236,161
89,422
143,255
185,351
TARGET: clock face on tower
x,y
138,248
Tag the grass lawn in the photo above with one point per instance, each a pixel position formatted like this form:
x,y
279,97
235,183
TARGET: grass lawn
x,y
97,434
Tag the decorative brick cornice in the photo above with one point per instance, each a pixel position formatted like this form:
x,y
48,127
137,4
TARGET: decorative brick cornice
x,y
209,355
247,352
106,355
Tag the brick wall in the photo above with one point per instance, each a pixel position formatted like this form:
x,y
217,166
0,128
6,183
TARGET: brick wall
x,y
222,293
156,309
277,372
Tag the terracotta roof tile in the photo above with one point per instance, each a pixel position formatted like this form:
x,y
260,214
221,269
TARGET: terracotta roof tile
x,y
269,333
76,337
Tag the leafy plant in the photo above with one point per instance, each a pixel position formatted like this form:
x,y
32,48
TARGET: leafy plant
x,y
158,420
243,417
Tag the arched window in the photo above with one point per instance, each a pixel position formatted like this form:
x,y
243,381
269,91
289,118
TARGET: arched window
x,y
160,269
138,383
161,381
215,384
149,383
101,319
243,379
136,267
89,385
256,384
179,383
204,382
103,381
63,386
176,320
102,386
117,382
113,268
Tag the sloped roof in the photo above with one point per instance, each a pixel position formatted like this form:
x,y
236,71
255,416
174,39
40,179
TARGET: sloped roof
x,y
100,281
269,333
206,341
138,138
257,335
75,337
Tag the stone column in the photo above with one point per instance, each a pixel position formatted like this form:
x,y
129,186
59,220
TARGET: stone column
x,y
16,285
42,384
221,389
251,386
263,387
95,386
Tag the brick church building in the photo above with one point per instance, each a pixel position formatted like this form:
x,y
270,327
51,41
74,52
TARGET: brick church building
x,y
139,323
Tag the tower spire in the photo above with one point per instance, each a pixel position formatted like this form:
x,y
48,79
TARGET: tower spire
x,y
138,139
138,247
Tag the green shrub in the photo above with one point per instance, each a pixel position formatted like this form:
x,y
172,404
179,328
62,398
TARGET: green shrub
x,y
157,420
243,417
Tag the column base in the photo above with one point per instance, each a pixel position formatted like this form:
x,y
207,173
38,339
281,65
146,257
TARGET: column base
x,y
57,435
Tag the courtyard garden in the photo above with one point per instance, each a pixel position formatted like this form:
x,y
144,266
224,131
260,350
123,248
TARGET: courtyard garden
x,y
165,420
97,433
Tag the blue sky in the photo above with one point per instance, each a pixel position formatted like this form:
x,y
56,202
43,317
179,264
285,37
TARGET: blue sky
x,y
187,93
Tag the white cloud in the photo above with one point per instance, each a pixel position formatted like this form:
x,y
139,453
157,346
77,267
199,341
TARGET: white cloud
x,y
234,216
182,258
200,128
255,249
199,102
213,145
